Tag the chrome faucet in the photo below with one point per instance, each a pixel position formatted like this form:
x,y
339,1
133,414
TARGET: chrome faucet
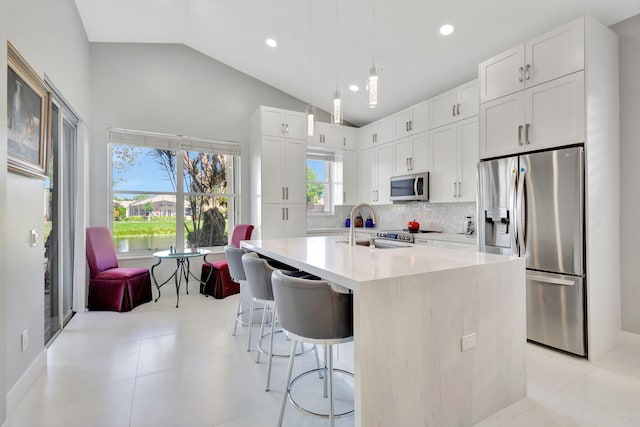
x,y
352,230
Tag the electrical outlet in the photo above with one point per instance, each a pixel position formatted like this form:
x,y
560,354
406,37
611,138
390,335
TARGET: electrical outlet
x,y
467,342
24,340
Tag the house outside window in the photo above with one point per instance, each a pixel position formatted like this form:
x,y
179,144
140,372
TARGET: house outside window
x,y
154,206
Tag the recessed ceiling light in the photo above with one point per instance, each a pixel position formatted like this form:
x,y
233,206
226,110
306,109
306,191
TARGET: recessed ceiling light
x,y
271,43
446,29
354,88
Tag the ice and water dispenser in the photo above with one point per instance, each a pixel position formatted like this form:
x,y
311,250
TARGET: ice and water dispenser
x,y
496,236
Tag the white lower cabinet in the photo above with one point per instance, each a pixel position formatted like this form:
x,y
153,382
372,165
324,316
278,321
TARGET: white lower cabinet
x,y
455,158
469,247
544,116
284,220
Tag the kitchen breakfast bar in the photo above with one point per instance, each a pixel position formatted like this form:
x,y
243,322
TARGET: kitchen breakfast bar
x,y
412,308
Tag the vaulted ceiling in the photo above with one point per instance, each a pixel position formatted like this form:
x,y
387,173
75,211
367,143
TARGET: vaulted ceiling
x,y
324,43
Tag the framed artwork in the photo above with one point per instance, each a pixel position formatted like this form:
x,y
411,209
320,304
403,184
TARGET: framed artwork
x,y
28,104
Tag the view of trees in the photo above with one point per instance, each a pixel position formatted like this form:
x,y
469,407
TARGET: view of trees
x,y
205,219
203,174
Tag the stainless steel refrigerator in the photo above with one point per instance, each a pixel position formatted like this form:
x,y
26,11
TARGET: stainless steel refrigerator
x,y
532,206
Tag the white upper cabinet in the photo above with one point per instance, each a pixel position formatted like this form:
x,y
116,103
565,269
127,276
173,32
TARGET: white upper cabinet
x,y
376,169
333,136
412,120
376,133
278,122
547,115
455,158
283,165
412,154
456,104
554,54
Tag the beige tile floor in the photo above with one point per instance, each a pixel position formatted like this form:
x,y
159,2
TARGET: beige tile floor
x,y
162,366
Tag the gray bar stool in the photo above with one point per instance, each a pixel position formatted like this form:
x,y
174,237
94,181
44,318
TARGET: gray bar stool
x,y
311,311
236,271
258,273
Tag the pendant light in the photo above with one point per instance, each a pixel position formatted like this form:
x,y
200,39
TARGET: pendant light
x,y
310,109
373,79
311,119
336,110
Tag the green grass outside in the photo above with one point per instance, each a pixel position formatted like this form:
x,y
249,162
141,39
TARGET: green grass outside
x,y
143,228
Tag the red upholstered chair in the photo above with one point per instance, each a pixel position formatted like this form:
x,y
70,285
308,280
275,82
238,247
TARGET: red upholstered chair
x,y
112,287
220,284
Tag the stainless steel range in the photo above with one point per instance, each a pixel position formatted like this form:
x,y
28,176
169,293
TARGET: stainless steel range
x,y
396,236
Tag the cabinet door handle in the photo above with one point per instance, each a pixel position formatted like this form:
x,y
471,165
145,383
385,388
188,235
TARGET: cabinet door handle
x,y
458,110
344,197
287,213
520,135
459,189
344,141
527,72
526,133
287,192
520,74
411,162
455,190
287,128
282,192
283,214
453,110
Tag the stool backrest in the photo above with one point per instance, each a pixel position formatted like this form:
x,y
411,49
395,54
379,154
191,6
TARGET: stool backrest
x,y
258,273
101,253
311,308
234,259
241,232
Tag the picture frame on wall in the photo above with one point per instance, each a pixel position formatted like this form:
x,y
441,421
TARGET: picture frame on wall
x,y
28,106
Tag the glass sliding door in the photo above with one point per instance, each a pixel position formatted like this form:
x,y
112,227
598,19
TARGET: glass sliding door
x,y
69,174
60,219
52,321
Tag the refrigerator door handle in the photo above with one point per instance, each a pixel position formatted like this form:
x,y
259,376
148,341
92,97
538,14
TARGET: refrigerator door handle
x,y
521,211
553,281
514,216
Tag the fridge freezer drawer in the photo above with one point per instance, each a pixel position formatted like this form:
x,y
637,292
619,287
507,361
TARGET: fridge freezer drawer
x,y
556,311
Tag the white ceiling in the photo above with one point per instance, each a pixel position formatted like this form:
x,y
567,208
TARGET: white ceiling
x,y
313,54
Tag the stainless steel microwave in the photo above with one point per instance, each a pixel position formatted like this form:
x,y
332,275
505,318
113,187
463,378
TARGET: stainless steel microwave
x,y
414,187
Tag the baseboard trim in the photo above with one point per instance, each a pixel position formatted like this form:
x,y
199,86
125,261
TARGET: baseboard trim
x,y
24,383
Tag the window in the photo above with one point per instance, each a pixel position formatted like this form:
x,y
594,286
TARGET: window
x,y
320,177
155,207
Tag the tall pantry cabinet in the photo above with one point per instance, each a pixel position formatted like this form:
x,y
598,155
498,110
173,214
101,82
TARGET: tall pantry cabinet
x,y
277,162
556,90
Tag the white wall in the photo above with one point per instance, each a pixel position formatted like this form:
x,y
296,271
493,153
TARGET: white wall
x,y
3,205
172,89
629,32
50,36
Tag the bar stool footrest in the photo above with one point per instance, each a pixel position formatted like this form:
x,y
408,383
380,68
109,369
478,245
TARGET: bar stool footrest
x,y
299,353
307,411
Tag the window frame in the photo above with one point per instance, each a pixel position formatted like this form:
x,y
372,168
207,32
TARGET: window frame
x,y
179,144
329,184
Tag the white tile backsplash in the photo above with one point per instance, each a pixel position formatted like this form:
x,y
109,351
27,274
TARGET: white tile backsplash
x,y
446,217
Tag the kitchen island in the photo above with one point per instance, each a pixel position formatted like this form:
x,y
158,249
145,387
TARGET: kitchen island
x,y
412,308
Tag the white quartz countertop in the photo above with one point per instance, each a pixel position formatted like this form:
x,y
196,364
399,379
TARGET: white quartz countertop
x,y
352,266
